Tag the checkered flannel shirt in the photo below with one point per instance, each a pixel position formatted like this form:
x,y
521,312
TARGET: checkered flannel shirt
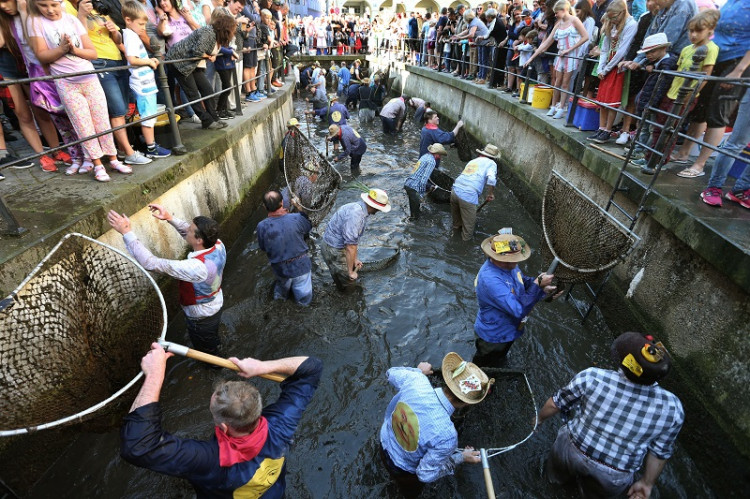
x,y
617,421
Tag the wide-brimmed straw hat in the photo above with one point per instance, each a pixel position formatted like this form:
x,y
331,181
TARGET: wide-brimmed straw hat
x,y
292,122
491,151
378,199
332,97
437,149
506,248
465,379
333,130
654,41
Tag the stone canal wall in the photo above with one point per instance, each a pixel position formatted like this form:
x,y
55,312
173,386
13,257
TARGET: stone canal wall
x,y
685,282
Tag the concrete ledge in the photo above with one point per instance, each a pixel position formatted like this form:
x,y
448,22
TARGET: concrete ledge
x,y
225,171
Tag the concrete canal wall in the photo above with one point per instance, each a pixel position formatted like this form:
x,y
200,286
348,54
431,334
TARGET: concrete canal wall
x,y
693,279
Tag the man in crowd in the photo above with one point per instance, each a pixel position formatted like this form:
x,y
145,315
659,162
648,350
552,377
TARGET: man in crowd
x,y
352,144
412,33
318,88
199,275
621,419
431,134
418,442
416,185
393,115
282,236
335,113
367,104
672,20
469,185
246,455
342,234
457,54
352,96
345,78
505,297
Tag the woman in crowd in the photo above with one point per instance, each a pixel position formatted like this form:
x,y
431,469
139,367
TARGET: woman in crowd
x,y
498,38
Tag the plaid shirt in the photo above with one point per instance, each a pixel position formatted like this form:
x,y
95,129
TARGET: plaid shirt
x,y
421,174
618,421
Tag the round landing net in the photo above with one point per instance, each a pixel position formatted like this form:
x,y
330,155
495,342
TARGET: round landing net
x,y
586,240
73,333
505,419
443,182
310,176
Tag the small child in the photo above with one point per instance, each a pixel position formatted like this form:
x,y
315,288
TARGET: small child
x,y
142,81
525,49
700,30
339,48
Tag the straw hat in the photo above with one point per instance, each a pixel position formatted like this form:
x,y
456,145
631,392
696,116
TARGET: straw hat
x,y
506,248
333,131
437,149
357,61
491,151
366,81
378,199
465,379
332,97
654,41
292,122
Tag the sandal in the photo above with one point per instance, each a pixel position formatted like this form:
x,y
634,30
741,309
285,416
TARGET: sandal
x,y
86,167
679,161
690,173
120,167
100,174
73,169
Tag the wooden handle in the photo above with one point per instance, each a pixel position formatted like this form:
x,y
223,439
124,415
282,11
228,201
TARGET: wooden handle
x,y
487,476
211,359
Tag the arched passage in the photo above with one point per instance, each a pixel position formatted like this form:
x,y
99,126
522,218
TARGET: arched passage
x,y
357,7
424,6
461,2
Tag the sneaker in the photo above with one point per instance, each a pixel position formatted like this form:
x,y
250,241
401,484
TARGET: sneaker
x,y
12,157
62,157
195,119
253,97
507,90
277,83
137,158
2,177
270,91
515,94
120,155
226,115
623,139
712,196
156,152
260,95
637,153
215,125
602,138
48,164
741,197
552,112
123,168
639,162
559,114
593,135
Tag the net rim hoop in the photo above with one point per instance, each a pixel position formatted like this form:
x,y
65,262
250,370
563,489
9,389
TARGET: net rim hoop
x,y
629,233
79,415
309,142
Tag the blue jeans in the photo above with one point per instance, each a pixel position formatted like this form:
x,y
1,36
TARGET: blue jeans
x,y
734,144
482,60
204,332
300,287
115,85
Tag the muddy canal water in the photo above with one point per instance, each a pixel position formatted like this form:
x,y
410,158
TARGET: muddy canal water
x,y
416,310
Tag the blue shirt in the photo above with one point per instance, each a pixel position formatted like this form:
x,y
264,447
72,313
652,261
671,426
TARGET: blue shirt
x,y
283,240
616,421
344,76
347,225
336,113
431,134
424,441
413,27
732,33
470,184
144,443
505,298
421,174
351,143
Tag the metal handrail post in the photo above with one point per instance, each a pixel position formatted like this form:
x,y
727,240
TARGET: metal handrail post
x,y
237,93
525,93
578,83
177,146
14,229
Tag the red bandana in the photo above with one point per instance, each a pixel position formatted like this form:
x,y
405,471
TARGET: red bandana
x,y
233,450
430,126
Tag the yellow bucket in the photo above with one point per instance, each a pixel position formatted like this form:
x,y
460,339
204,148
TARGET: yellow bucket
x,y
530,97
542,97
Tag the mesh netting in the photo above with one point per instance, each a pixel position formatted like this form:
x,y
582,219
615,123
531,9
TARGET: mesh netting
x,y
585,239
376,258
73,333
464,145
503,420
310,176
444,183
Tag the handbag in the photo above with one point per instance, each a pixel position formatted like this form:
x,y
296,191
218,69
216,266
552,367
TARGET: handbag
x,y
43,94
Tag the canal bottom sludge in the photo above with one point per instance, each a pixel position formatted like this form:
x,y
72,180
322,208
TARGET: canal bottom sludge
x,y
416,309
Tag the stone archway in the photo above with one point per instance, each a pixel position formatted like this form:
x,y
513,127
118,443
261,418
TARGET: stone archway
x,y
358,7
424,6
461,2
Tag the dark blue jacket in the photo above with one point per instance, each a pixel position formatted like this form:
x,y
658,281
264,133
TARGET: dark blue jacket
x,y
335,114
224,59
351,143
283,240
433,136
144,443
650,87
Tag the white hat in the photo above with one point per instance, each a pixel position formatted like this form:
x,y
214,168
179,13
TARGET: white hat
x,y
378,199
654,41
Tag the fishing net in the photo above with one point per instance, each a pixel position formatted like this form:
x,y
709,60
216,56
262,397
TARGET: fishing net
x,y
376,257
73,333
464,145
505,419
310,176
443,185
586,240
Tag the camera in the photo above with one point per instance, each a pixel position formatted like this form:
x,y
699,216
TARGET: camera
x,y
100,7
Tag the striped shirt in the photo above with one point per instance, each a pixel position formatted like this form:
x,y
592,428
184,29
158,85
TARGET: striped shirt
x,y
617,421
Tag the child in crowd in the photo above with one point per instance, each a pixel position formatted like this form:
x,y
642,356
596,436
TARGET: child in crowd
x,y
142,81
225,67
525,49
700,30
569,34
618,31
61,41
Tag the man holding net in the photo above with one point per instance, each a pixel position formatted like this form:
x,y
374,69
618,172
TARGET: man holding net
x,y
246,455
352,144
199,275
505,297
622,419
418,442
282,236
